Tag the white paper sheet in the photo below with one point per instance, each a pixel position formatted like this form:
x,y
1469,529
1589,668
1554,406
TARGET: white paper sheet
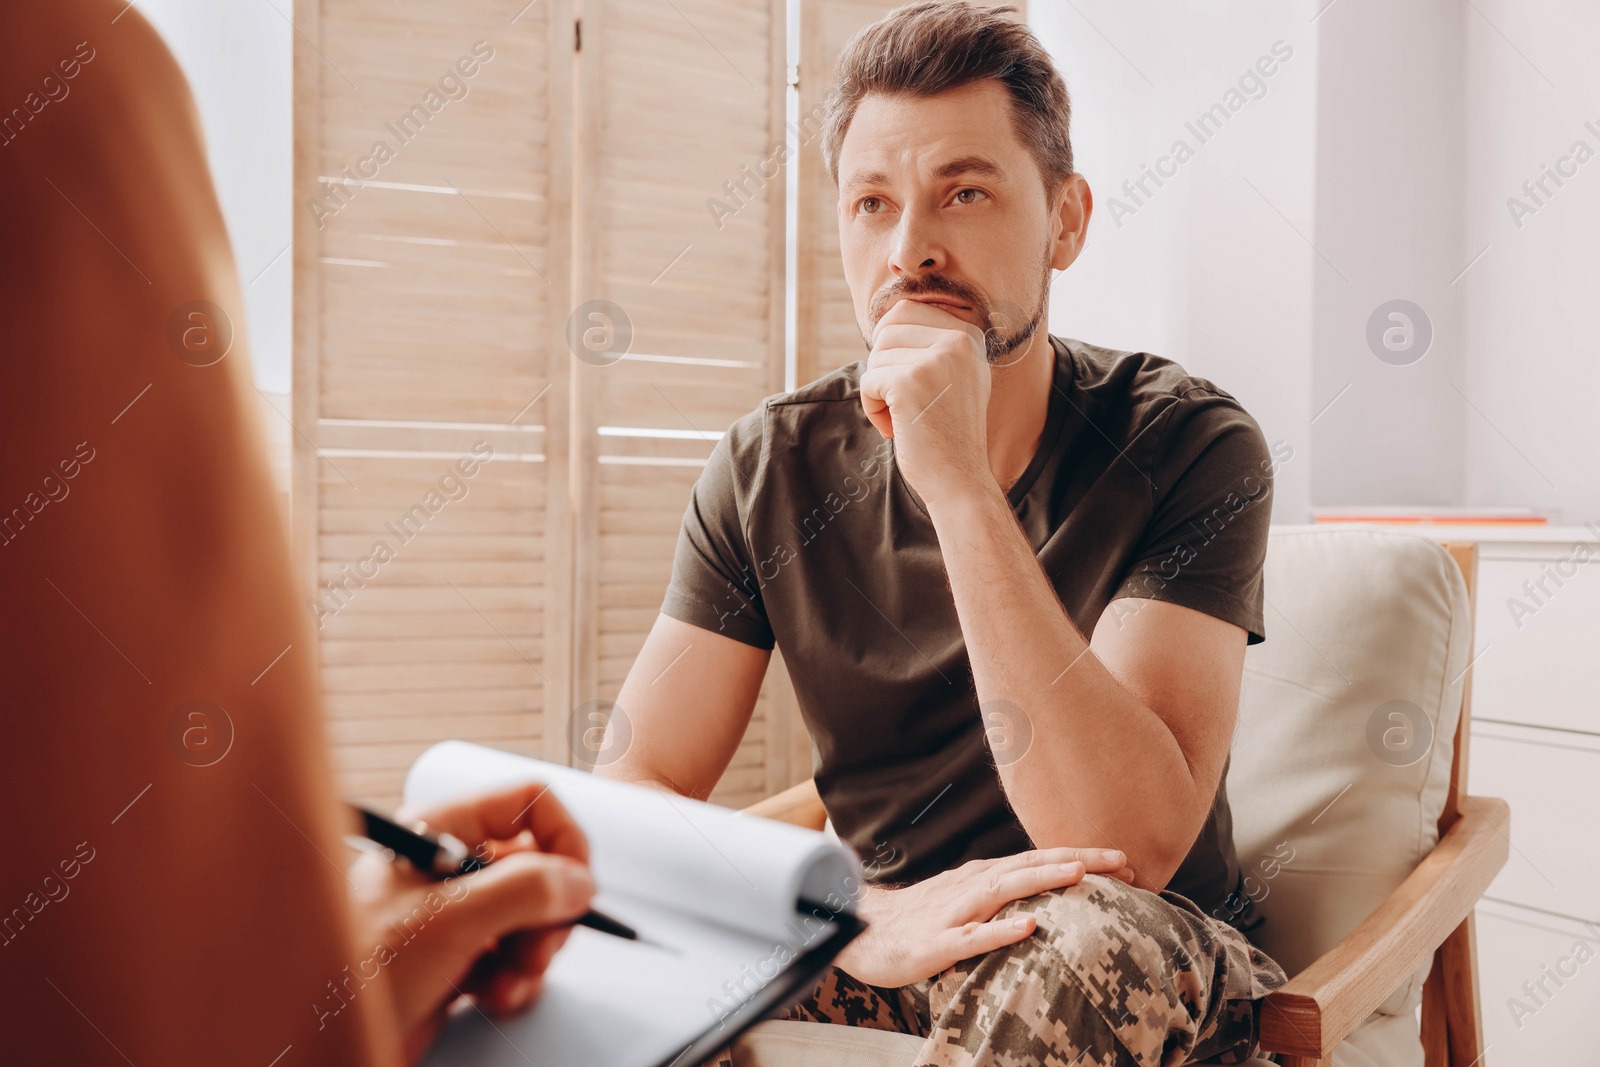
x,y
716,892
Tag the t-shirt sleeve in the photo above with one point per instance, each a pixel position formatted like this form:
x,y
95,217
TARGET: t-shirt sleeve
x,y
714,584
1206,542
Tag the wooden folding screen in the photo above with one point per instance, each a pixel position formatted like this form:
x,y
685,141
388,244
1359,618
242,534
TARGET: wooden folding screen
x,y
440,255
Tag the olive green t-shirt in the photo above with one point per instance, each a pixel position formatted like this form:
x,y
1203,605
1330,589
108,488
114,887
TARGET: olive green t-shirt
x,y
1147,483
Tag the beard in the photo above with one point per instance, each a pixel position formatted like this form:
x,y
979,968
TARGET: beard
x,y
1006,326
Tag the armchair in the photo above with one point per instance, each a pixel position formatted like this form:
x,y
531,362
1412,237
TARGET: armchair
x,y
1351,753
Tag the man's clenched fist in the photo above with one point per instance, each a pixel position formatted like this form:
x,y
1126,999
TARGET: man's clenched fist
x,y
927,386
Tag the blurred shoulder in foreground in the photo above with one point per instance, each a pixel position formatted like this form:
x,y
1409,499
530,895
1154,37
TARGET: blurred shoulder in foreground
x,y
172,890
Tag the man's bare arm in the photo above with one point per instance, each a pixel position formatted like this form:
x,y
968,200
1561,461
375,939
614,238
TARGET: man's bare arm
x,y
1129,732
688,699
1129,736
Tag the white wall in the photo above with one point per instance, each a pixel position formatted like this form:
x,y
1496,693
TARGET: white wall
x,y
1390,173
1204,270
1532,319
238,57
1387,147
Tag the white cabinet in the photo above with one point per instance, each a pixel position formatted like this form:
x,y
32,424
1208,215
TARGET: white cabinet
x,y
1551,779
1538,642
1536,743
1550,1020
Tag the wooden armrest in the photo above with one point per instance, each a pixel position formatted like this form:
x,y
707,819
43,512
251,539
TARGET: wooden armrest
x,y
799,804
1321,1005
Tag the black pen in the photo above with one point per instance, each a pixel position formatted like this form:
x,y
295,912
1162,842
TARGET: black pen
x,y
447,856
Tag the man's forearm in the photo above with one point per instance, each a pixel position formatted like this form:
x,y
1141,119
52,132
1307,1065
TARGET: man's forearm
x,y
1099,767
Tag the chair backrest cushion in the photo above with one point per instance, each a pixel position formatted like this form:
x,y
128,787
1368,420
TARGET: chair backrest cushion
x,y
1341,760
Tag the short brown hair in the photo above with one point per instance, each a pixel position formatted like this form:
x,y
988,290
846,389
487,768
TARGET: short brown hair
x,y
927,48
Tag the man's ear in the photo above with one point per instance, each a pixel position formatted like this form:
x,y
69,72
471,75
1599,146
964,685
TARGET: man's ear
x,y
1074,203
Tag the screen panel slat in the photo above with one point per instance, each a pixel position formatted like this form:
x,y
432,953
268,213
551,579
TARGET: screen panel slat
x,y
674,100
433,222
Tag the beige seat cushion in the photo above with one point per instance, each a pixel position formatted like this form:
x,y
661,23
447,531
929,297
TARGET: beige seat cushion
x,y
1331,808
789,1044
1326,827
780,1043
1385,1041
1381,1041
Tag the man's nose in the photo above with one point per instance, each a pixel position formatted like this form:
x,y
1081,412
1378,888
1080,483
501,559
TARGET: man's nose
x,y
916,248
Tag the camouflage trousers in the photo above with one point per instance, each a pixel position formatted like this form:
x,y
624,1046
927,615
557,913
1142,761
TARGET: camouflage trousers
x,y
1111,976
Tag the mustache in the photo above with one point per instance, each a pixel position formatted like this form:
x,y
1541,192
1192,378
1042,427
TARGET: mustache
x,y
927,285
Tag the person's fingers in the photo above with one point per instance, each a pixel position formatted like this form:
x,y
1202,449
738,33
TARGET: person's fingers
x,y
892,364
888,380
916,338
874,386
486,983
505,979
1101,860
1001,887
520,974
903,310
1094,860
489,851
536,956
907,311
524,891
510,977
521,996
974,939
911,339
537,950
504,814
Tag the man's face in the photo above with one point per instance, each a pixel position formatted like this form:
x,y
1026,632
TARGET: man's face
x,y
940,202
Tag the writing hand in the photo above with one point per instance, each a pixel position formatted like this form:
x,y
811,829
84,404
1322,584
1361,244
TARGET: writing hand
x,y
490,934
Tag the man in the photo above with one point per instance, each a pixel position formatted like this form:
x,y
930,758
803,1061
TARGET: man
x,y
1013,578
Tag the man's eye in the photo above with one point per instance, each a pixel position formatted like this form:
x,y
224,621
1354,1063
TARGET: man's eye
x,y
868,206
975,195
